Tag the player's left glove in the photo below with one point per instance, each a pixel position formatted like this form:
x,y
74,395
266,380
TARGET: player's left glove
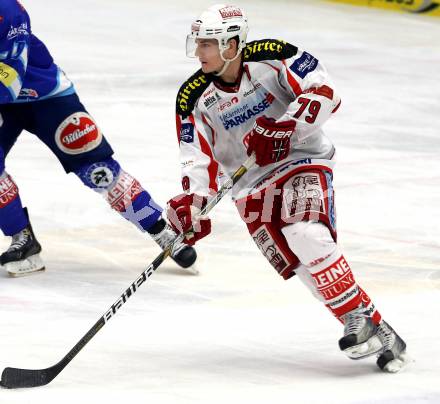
x,y
270,140
182,213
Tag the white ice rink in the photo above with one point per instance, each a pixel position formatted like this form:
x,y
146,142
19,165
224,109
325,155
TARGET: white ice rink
x,y
236,333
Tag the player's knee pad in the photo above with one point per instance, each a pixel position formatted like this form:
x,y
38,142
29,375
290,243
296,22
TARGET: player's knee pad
x,y
99,176
310,241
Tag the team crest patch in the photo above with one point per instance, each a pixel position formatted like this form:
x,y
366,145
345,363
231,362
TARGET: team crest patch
x,y
187,133
78,134
304,65
303,197
100,176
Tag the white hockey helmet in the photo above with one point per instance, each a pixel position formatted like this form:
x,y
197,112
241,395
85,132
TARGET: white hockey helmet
x,y
221,22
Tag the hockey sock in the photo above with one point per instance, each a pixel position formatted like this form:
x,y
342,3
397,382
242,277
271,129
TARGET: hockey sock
x,y
12,216
325,271
336,284
123,192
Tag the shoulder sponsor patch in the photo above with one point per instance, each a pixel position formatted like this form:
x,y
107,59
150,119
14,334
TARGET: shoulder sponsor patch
x,y
187,133
304,65
78,134
268,49
190,92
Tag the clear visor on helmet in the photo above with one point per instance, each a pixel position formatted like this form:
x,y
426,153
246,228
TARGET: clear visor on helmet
x,y
191,46
208,44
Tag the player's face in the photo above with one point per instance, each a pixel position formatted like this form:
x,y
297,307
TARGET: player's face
x,y
208,53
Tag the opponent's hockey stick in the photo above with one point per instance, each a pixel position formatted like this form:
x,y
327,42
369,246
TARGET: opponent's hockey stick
x,y
15,378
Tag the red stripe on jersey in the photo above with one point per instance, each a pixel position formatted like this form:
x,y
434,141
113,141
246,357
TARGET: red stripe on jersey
x,y
213,165
293,83
212,130
325,91
178,127
206,149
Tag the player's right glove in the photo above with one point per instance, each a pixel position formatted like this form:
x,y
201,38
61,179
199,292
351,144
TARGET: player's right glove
x,y
270,140
182,213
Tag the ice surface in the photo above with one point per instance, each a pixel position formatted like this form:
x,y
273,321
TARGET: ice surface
x,y
236,333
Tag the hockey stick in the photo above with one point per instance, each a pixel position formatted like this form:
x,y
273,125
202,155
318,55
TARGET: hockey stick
x,y
15,377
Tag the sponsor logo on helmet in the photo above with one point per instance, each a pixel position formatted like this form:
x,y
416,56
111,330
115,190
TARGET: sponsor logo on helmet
x,y
230,12
187,133
78,134
233,28
304,65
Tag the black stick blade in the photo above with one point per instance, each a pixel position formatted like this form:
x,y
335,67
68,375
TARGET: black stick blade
x,y
13,378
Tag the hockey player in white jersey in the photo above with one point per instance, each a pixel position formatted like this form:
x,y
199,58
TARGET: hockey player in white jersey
x,y
269,98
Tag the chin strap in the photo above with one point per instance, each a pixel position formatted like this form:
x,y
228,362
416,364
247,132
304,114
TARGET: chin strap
x,y
227,63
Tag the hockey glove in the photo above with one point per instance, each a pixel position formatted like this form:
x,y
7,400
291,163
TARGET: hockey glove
x,y
270,140
182,213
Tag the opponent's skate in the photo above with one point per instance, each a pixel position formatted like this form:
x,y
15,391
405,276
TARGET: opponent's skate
x,y
184,255
23,255
360,335
393,357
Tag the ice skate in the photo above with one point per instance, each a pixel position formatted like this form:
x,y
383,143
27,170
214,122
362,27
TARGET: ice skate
x,y
23,255
183,255
361,337
393,357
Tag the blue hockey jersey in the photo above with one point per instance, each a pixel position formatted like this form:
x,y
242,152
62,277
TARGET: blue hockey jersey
x,y
27,70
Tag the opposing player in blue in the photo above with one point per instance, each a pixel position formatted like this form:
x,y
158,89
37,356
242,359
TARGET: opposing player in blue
x,y
36,96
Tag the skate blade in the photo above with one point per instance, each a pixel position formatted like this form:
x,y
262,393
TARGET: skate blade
x,y
27,266
396,365
368,348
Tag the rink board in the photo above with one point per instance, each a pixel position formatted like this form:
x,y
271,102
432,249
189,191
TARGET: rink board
x,y
423,7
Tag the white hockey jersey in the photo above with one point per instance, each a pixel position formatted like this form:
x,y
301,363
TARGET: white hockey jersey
x,y
214,119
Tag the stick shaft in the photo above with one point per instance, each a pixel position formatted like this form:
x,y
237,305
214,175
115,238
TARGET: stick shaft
x,y
15,377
